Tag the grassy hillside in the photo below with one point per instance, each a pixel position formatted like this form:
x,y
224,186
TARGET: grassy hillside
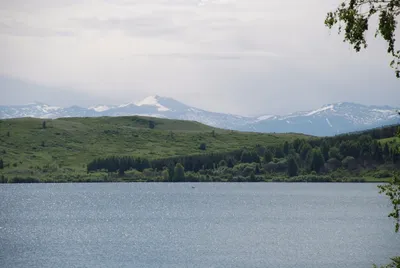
x,y
67,145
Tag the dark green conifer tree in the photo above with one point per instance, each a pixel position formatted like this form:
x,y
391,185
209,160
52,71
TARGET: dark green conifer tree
x,y
179,173
292,167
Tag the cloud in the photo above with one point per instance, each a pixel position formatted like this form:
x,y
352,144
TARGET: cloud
x,y
139,26
33,6
212,55
234,56
20,29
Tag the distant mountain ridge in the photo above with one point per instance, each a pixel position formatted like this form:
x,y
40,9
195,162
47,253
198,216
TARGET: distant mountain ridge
x,y
327,120
331,119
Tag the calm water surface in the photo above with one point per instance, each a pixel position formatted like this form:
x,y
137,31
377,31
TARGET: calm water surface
x,y
211,225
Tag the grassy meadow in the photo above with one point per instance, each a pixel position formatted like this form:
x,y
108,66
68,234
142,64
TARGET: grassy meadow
x,y
51,148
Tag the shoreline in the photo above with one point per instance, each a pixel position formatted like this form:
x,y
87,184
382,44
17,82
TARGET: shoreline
x,y
197,182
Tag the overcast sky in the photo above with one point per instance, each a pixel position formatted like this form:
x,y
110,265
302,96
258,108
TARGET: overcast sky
x,y
237,56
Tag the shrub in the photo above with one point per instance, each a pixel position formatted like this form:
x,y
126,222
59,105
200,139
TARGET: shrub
x,y
23,180
280,166
349,162
202,146
222,163
383,174
151,124
333,164
192,177
357,180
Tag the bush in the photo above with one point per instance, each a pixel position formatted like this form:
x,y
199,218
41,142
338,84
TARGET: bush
x,y
309,178
333,164
259,178
248,171
23,180
349,162
280,166
151,124
192,177
267,177
356,180
239,179
222,171
149,173
244,169
202,146
383,174
205,178
134,175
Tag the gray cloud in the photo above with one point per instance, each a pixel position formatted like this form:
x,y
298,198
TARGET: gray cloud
x,y
139,26
211,56
20,29
225,55
35,5
17,91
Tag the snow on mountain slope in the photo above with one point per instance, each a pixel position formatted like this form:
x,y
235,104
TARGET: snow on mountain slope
x,y
329,107
100,108
265,117
153,101
328,120
30,110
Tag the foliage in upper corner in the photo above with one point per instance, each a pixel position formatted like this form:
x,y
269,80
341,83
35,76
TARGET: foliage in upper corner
x,y
353,16
394,264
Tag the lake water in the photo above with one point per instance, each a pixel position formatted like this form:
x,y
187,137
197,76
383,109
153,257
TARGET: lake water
x,y
212,225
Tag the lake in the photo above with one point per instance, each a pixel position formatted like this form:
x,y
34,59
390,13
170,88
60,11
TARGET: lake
x,y
212,225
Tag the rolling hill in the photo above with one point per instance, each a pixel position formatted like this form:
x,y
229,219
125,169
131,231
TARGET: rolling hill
x,y
66,145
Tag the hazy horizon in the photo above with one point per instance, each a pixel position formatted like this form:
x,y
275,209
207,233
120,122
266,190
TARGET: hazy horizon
x,y
94,104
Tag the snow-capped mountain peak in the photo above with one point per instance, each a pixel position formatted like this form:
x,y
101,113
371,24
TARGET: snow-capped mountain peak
x,y
35,109
324,108
100,108
329,120
153,101
41,106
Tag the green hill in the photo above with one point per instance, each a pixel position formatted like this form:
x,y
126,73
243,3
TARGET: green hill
x,y
150,149
65,146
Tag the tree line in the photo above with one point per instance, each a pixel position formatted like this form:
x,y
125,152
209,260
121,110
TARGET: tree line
x,y
303,156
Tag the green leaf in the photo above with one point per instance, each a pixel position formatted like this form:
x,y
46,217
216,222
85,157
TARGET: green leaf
x,y
353,18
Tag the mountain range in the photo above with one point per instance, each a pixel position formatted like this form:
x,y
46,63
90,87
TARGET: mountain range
x,y
328,120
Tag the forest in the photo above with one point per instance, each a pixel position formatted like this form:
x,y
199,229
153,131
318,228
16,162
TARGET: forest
x,y
356,157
